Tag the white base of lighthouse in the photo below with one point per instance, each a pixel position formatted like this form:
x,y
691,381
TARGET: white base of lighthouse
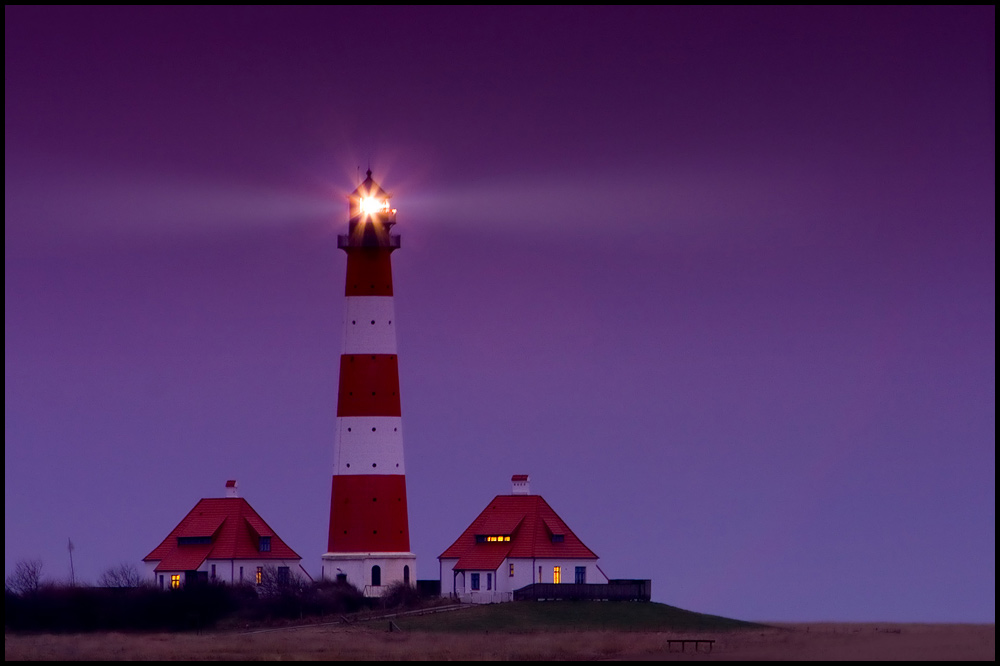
x,y
372,573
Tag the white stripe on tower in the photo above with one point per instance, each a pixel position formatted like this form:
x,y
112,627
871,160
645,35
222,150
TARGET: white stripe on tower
x,y
368,325
369,445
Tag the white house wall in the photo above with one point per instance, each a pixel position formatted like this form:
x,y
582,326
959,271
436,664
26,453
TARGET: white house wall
x,y
227,571
568,571
526,572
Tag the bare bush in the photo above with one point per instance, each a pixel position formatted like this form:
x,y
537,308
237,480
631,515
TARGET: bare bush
x,y
275,581
401,595
26,577
123,575
335,597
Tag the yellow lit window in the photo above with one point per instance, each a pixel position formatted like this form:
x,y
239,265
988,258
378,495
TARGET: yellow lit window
x,y
511,568
175,581
498,538
556,575
260,575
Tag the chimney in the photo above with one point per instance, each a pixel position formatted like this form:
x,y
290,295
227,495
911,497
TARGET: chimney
x,y
232,488
519,485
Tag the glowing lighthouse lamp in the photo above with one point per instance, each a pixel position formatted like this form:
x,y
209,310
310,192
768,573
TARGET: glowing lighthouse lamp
x,y
369,538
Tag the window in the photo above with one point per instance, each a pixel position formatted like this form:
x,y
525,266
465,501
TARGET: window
x,y
284,575
193,540
556,575
161,582
341,578
489,581
474,581
512,569
492,538
581,575
241,574
376,575
558,538
175,581
265,544
260,575
213,572
406,574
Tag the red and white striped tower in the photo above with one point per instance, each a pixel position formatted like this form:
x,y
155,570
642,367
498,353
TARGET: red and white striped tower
x,y
369,543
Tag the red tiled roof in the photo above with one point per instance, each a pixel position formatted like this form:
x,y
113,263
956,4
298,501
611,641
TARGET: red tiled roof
x,y
201,525
484,557
234,528
529,521
258,525
184,558
499,523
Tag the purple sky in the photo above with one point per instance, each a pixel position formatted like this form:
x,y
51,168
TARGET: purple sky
x,y
721,280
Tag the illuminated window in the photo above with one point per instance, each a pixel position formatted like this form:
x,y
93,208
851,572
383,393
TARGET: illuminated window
x,y
511,568
260,575
474,581
581,575
556,575
175,581
265,544
492,538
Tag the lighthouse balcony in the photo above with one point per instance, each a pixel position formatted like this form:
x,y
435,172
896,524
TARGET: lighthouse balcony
x,y
390,241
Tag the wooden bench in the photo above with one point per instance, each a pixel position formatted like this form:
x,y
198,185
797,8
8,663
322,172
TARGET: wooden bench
x,y
696,642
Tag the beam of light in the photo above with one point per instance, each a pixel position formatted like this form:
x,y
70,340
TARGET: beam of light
x,y
68,205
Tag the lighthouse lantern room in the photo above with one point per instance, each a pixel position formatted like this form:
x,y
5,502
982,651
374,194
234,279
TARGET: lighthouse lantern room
x,y
369,540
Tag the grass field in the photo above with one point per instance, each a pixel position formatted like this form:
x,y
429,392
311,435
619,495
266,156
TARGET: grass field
x,y
535,631
533,616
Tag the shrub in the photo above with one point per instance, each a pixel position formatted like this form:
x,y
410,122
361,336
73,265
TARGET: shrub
x,y
401,595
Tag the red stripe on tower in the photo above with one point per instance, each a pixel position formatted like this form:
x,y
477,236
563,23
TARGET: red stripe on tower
x,y
369,538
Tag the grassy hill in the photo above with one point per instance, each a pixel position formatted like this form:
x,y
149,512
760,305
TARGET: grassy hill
x,y
542,616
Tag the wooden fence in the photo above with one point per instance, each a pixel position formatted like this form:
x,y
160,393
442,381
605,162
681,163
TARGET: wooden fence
x,y
615,590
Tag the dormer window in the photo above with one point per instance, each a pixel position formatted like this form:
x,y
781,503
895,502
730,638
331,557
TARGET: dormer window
x,y
492,538
558,538
264,545
193,540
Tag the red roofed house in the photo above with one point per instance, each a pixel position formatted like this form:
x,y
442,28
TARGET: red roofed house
x,y
221,540
517,540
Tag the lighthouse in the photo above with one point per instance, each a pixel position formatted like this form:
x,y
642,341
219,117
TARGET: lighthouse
x,y
369,538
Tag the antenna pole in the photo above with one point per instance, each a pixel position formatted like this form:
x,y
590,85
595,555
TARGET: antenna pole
x,y
72,573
